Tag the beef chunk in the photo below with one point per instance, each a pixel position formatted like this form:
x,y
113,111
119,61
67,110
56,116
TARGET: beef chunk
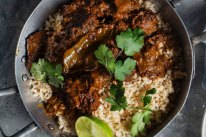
x,y
125,7
155,58
83,90
54,107
35,44
146,20
56,45
100,9
121,26
80,20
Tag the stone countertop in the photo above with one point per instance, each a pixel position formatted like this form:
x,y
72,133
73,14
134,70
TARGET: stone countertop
x,y
13,14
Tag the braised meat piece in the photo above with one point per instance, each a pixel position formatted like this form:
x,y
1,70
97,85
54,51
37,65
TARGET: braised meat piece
x,y
125,7
100,9
83,90
100,78
72,7
56,45
79,18
89,63
156,57
147,20
34,46
54,107
73,21
121,26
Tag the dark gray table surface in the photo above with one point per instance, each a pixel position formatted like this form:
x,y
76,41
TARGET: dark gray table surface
x,y
13,14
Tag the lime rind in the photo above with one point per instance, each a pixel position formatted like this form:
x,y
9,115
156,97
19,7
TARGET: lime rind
x,y
103,125
92,127
83,129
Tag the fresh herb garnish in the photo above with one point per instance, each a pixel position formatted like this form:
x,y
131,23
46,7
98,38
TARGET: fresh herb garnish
x,y
117,98
130,41
142,118
118,68
147,98
45,71
38,71
121,70
105,57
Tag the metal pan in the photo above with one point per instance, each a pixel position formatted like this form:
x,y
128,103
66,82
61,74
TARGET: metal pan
x,y
37,19
204,125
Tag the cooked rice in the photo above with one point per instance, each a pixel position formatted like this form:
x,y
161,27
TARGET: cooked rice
x,y
54,22
151,6
120,122
65,125
40,90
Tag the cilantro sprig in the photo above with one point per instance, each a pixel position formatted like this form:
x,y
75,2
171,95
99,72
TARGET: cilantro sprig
x,y
130,41
147,98
142,118
118,68
117,100
105,57
46,72
123,69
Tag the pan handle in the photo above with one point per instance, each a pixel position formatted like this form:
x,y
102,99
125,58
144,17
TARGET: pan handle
x,y
196,40
8,91
199,39
26,131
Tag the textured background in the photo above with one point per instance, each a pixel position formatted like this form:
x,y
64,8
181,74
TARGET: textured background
x,y
13,14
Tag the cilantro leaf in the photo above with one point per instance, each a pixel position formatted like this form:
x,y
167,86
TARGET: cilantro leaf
x,y
142,118
151,91
37,70
130,41
147,116
121,70
139,120
147,98
122,101
114,104
45,71
117,100
105,57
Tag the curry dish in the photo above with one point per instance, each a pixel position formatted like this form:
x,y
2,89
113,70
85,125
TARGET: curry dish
x,y
88,50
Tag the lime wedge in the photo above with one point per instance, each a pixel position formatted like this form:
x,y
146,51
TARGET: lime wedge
x,y
92,127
